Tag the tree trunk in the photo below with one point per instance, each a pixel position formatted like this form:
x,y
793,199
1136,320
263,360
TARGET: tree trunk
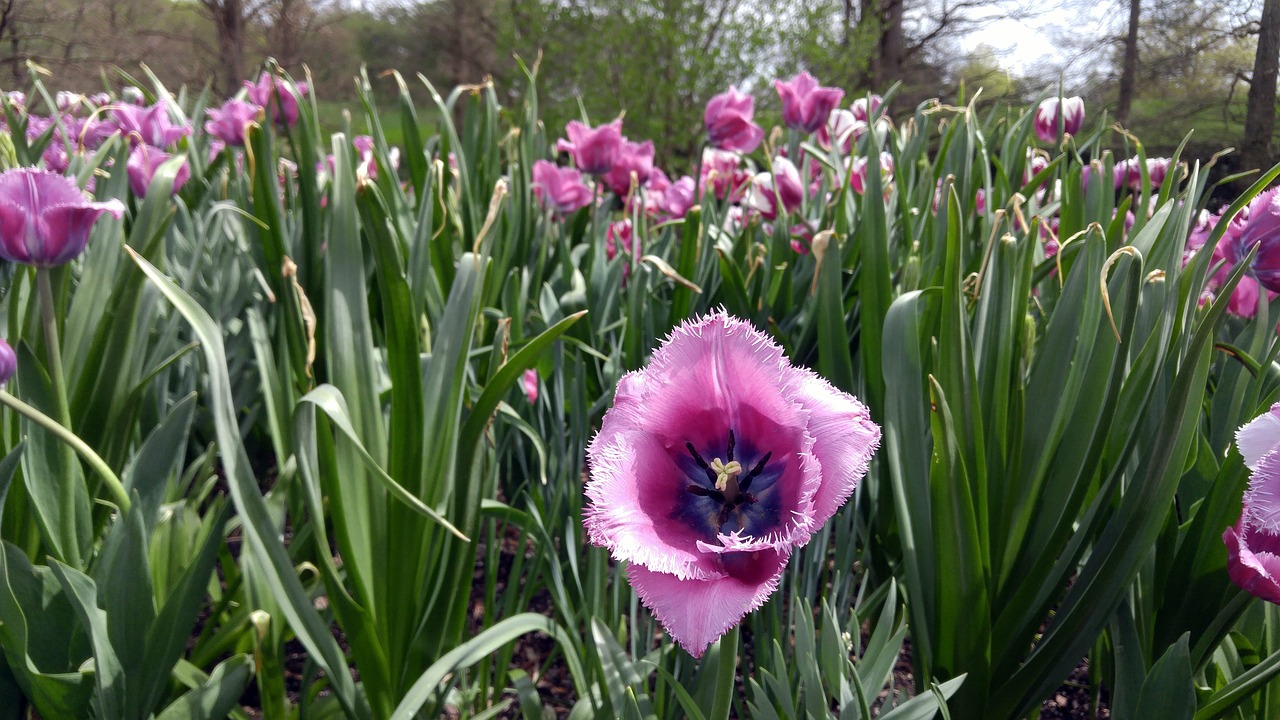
x,y
1260,116
228,18
889,65
1128,76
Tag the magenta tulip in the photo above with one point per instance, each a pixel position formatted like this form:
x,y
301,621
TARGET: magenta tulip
x,y
142,166
278,96
716,460
728,118
1258,224
529,383
633,158
1071,112
231,122
1253,544
783,184
722,174
594,150
44,218
8,362
147,125
866,108
679,198
560,189
805,105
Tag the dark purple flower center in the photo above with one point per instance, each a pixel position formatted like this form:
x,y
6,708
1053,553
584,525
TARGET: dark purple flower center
x,y
732,494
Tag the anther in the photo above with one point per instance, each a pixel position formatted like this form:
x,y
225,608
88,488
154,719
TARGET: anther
x,y
755,471
711,475
730,446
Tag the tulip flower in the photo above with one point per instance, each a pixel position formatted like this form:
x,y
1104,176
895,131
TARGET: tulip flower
x,y
44,218
716,461
1130,172
594,150
866,108
529,383
142,166
858,175
8,362
805,105
1253,544
722,174
841,130
561,189
617,237
679,197
728,118
783,184
279,97
634,158
230,122
147,125
1071,112
1259,225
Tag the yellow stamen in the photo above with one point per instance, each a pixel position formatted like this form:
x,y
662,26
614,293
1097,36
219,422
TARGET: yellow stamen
x,y
726,472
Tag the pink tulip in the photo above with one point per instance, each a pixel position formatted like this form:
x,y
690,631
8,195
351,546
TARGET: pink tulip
x,y
783,184
560,189
722,174
8,362
594,150
716,461
866,108
805,105
1070,110
728,118
142,166
841,130
617,237
678,198
858,175
529,383
44,218
230,122
147,125
279,97
634,158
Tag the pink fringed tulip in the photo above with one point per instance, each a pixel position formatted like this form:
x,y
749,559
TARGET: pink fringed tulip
x,y
632,158
594,150
230,122
728,118
1071,110
560,189
805,105
142,166
1258,224
716,460
44,218
278,96
1253,545
783,184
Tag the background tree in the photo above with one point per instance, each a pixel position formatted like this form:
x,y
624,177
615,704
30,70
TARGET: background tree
x,y
1260,118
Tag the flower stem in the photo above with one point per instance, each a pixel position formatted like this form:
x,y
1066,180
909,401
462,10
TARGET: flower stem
x,y
114,486
48,314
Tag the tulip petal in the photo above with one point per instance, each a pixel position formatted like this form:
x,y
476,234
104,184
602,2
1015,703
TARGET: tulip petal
x,y
1259,437
696,612
845,440
1255,569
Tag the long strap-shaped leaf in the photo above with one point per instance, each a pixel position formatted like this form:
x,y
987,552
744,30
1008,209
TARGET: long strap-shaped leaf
x,y
259,532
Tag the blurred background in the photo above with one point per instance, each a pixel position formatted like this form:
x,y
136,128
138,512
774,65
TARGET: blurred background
x,y
1161,67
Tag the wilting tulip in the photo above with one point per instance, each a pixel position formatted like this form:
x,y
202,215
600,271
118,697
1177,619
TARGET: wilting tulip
x,y
560,189
147,125
805,105
142,166
230,122
594,150
716,460
728,118
634,158
1070,110
279,97
865,108
783,184
44,218
8,362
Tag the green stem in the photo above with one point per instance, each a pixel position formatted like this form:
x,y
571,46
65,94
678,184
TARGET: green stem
x,y
726,650
114,486
48,314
